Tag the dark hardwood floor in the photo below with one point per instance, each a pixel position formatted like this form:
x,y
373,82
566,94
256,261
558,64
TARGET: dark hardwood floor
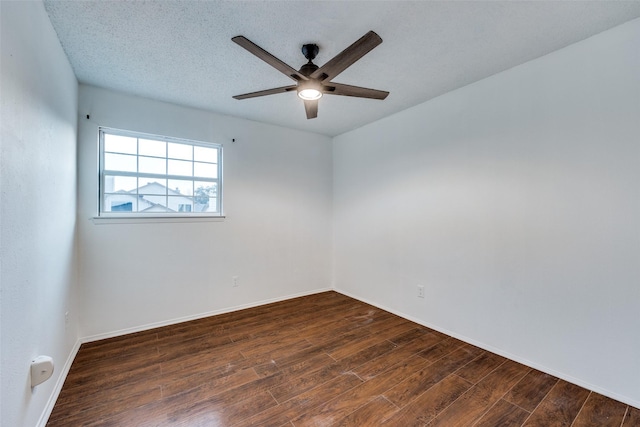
x,y
321,360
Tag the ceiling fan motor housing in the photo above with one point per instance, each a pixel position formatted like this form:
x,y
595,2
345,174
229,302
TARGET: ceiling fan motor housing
x,y
308,68
310,51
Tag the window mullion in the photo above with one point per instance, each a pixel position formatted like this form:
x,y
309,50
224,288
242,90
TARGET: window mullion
x,y
167,171
138,173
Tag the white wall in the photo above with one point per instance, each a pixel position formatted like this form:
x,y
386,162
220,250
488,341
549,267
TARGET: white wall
x,y
515,201
276,236
38,109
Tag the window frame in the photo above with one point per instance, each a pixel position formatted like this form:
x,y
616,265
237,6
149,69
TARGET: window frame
x,y
134,215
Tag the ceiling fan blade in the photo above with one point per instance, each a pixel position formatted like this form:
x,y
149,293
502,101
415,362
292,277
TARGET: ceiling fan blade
x,y
344,59
311,107
269,58
266,92
348,90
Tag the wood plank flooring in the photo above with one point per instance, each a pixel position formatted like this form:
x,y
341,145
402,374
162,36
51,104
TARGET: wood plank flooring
x,y
321,360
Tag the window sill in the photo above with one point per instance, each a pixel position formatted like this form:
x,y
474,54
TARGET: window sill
x,y
104,220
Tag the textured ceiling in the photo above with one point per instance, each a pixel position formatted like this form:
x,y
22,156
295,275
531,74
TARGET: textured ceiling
x,y
181,51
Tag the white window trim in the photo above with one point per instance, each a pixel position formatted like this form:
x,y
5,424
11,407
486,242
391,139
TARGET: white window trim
x,y
132,218
142,219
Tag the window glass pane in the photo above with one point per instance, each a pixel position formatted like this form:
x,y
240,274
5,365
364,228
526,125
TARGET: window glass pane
x,y
180,151
150,147
205,170
152,165
120,203
123,184
205,154
152,186
181,204
119,144
206,188
179,167
205,196
153,204
212,206
120,162
202,203
181,186
121,206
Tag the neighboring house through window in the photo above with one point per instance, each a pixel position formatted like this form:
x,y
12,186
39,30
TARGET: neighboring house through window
x,y
151,175
121,206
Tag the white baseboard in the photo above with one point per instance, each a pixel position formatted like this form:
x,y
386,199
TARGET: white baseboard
x,y
568,378
198,316
46,413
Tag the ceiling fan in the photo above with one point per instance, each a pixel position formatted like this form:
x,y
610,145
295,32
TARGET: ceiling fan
x,y
313,81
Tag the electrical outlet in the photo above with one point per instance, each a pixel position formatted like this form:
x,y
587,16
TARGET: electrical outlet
x,y
420,291
66,320
234,281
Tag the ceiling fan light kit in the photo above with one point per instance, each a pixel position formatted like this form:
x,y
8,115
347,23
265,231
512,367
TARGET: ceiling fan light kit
x,y
313,81
309,90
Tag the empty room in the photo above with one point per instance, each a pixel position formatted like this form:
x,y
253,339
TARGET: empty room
x,y
319,213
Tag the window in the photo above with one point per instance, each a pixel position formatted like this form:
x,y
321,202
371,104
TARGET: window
x,y
151,175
